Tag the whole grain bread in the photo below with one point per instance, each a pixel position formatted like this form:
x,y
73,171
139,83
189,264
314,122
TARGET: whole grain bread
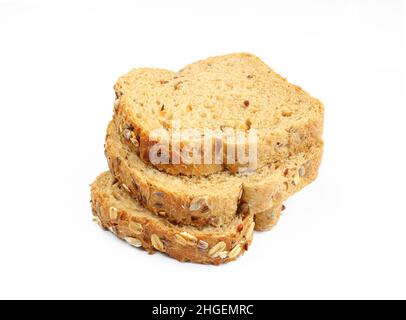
x,y
236,91
215,199
115,210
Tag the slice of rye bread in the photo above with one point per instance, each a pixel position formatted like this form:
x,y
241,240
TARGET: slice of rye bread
x,y
115,210
215,199
236,91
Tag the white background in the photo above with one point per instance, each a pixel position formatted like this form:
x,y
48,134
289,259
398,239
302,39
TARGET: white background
x,y
342,237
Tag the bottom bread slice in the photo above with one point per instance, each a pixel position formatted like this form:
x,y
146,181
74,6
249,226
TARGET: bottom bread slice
x,y
115,210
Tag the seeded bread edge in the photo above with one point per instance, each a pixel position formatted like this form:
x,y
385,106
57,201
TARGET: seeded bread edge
x,y
155,234
259,195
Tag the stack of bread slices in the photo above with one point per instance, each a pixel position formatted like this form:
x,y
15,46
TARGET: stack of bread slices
x,y
207,211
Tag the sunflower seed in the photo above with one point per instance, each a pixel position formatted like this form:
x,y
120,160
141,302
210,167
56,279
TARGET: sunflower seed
x,y
127,134
250,231
135,228
113,213
133,241
235,252
157,243
188,236
221,254
302,171
217,248
126,188
295,180
179,239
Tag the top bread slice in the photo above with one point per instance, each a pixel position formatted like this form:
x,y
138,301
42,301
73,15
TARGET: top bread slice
x,y
236,91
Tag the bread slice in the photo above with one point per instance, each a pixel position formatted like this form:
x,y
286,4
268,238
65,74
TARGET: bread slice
x,y
215,199
116,211
236,91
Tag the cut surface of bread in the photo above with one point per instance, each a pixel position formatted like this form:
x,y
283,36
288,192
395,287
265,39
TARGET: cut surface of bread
x,y
115,210
213,200
236,91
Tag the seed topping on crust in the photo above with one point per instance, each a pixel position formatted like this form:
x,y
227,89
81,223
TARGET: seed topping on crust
x,y
202,245
133,241
188,236
135,228
126,188
113,213
235,252
157,243
217,248
250,231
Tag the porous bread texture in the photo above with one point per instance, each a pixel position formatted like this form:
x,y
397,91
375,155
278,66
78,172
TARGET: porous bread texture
x,y
267,220
212,200
115,210
236,91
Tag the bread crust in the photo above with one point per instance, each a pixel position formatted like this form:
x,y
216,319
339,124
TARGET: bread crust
x,y
221,195
116,211
274,144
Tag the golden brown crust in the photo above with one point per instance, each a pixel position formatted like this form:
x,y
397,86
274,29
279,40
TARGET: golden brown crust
x,y
200,201
114,210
